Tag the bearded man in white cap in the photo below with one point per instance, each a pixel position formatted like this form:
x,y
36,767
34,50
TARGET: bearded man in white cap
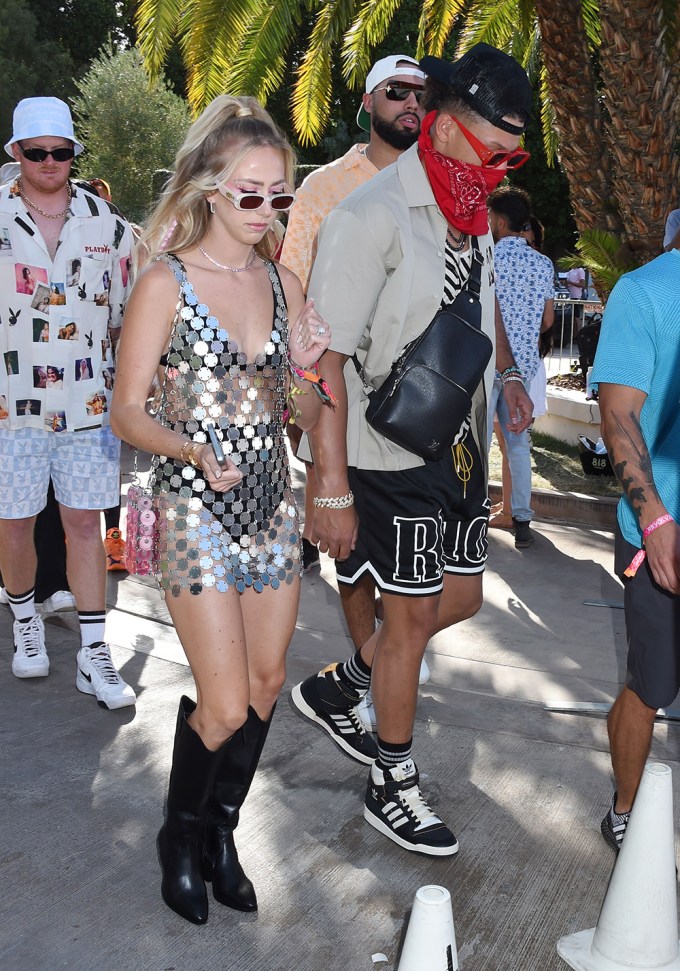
x,y
52,225
391,113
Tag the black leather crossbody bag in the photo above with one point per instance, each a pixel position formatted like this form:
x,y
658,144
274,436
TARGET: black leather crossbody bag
x,y
427,396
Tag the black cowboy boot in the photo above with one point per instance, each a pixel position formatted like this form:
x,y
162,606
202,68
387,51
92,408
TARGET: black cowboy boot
x,y
235,773
180,840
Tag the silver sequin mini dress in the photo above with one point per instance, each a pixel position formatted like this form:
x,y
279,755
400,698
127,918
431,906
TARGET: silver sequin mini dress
x,y
249,536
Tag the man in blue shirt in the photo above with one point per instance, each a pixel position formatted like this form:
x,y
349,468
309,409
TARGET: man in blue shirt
x,y
525,287
637,370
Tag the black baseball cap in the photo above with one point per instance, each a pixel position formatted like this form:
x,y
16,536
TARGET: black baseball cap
x,y
490,81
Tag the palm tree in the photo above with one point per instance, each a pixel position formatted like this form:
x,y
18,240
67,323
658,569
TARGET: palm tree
x,y
606,71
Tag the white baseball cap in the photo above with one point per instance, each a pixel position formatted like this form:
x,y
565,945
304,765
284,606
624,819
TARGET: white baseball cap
x,y
393,66
37,117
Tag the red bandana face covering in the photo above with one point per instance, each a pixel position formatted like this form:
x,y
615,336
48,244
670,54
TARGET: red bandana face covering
x,y
460,189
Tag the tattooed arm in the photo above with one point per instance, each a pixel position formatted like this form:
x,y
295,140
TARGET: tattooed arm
x,y
620,408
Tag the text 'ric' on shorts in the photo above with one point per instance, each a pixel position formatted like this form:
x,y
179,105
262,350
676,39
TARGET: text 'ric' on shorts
x,y
418,524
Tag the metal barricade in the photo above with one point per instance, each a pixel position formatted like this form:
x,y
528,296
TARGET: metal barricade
x,y
570,317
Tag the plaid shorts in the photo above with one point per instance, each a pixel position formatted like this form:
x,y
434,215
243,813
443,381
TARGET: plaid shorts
x,y
84,467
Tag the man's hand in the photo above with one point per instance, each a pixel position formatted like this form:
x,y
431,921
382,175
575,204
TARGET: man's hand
x,y
663,556
520,406
335,531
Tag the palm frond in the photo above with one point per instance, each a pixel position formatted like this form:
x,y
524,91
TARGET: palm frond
x,y
260,66
368,29
156,22
437,24
591,21
498,23
312,93
211,35
602,255
550,140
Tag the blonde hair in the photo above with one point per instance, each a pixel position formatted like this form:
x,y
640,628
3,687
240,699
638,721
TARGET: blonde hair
x,y
216,144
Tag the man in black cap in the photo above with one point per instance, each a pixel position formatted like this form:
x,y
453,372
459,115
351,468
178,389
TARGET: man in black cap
x,y
389,256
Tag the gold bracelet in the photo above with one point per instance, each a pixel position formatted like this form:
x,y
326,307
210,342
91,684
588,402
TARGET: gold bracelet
x,y
191,453
185,444
334,502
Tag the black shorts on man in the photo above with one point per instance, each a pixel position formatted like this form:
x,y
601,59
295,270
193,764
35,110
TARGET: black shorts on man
x,y
652,626
418,524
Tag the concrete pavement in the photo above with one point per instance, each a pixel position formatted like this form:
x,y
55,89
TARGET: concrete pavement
x,y
524,789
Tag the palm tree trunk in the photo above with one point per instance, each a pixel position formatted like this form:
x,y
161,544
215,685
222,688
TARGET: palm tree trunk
x,y
578,115
640,96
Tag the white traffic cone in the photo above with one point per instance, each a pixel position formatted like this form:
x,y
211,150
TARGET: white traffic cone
x,y
638,924
430,939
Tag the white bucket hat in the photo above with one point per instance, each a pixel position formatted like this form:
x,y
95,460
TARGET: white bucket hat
x,y
37,117
395,66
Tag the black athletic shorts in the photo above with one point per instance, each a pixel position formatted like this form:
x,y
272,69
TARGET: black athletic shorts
x,y
417,525
653,631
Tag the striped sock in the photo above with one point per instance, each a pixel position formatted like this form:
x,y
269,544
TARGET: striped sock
x,y
355,673
22,604
390,754
92,623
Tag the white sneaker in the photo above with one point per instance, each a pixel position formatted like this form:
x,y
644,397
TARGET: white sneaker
x,y
4,599
60,602
96,675
30,657
425,673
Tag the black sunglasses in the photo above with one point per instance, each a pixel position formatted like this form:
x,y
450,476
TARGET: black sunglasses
x,y
400,92
40,154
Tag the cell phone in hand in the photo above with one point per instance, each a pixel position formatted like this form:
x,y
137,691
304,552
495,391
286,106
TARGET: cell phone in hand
x,y
217,446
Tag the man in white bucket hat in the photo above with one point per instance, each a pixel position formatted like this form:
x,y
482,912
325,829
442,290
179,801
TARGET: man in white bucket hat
x,y
50,226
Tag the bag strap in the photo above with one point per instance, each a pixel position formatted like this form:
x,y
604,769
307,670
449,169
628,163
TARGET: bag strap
x,y
472,286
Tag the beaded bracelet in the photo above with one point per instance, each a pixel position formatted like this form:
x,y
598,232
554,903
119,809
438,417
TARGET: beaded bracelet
x,y
641,555
513,369
512,377
334,502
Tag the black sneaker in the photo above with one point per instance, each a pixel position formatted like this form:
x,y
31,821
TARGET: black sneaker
x,y
614,826
523,535
395,807
325,700
310,556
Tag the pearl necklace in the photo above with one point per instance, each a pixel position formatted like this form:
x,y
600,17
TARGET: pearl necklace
x,y
47,215
223,266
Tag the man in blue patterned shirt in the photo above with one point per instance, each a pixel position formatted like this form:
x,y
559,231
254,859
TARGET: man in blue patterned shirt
x,y
525,289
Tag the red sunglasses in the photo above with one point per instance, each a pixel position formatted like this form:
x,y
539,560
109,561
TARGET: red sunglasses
x,y
490,158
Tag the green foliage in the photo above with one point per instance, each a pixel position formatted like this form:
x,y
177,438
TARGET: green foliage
x,y
130,128
29,65
603,256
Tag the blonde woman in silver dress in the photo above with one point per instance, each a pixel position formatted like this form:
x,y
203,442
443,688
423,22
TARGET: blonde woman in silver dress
x,y
238,345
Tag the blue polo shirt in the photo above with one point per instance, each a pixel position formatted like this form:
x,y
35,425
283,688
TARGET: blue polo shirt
x,y
639,347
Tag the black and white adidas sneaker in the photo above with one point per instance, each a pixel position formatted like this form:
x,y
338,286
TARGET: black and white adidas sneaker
x,y
395,807
325,700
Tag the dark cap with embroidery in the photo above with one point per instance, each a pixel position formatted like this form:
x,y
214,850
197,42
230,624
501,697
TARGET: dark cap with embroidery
x,y
490,81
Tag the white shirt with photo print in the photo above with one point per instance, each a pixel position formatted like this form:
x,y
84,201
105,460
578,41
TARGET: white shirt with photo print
x,y
57,319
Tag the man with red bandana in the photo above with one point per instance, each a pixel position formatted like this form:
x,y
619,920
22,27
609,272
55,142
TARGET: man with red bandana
x,y
389,256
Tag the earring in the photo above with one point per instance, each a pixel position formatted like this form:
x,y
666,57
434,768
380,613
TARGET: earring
x,y
211,207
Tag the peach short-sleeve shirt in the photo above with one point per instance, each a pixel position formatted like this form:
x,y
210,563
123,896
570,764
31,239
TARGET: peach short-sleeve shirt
x,y
320,192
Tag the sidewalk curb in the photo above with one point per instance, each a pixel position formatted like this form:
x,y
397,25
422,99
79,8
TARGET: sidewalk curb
x,y
567,507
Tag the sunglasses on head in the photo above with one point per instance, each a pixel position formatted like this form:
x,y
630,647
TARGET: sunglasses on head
x,y
400,92
490,158
40,154
248,201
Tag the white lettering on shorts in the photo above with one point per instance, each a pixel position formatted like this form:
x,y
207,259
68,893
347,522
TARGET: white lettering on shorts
x,y
418,553
470,541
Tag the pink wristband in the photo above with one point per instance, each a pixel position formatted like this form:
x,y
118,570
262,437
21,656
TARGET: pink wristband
x,y
641,555
661,521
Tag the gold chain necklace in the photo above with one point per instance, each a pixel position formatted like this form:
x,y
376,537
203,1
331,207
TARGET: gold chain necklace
x,y
47,215
223,266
